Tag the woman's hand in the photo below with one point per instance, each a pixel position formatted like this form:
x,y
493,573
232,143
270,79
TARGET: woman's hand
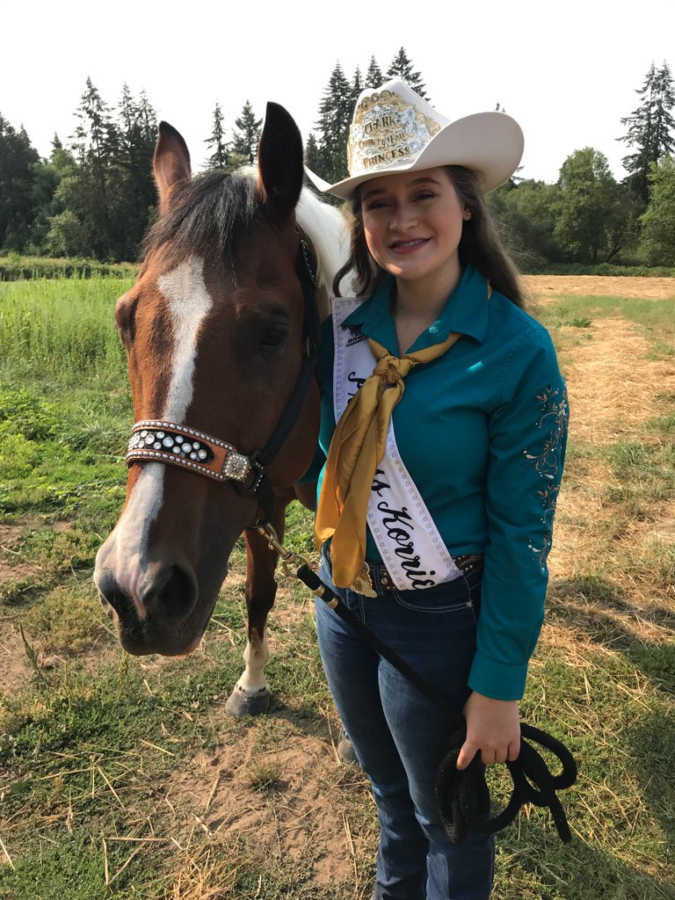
x,y
493,727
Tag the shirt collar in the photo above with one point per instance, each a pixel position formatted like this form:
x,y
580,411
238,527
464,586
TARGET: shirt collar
x,y
466,312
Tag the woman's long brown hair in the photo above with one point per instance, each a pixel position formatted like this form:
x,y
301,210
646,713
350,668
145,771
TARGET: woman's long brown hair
x,y
479,245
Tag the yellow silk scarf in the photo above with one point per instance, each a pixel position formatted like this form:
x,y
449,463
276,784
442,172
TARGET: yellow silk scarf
x,y
357,447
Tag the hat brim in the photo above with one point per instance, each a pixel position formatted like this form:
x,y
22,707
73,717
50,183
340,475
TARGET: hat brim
x,y
490,144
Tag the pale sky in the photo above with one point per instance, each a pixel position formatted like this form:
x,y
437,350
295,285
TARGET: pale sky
x,y
566,71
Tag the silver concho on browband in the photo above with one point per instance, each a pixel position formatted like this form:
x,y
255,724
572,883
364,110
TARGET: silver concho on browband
x,y
386,129
177,445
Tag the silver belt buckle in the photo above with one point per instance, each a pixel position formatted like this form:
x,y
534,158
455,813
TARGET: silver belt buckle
x,y
363,583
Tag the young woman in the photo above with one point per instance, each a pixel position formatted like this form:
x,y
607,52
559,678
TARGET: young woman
x,y
437,498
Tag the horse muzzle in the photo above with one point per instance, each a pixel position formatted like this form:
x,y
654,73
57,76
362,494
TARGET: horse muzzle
x,y
159,613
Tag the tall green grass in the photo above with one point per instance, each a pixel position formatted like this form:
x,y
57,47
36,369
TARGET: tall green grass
x,y
61,328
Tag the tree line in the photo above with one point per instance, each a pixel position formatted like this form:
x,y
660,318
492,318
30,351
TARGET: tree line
x,y
95,197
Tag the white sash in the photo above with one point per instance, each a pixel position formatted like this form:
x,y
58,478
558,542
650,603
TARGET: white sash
x,y
412,550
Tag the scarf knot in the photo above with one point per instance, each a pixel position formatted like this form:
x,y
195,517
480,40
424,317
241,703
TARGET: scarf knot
x,y
357,447
393,369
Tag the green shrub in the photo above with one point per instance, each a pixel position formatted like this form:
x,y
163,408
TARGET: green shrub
x,y
25,414
17,455
26,268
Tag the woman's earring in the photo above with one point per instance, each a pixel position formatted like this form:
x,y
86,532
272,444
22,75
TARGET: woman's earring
x,y
467,214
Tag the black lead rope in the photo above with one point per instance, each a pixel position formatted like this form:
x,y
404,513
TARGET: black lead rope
x,y
463,795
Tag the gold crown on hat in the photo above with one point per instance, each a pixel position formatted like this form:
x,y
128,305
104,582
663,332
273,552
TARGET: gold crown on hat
x,y
386,131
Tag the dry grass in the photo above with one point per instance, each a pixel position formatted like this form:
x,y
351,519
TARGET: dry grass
x,y
549,286
613,386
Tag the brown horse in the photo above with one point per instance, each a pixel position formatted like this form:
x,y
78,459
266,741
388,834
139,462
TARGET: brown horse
x,y
215,330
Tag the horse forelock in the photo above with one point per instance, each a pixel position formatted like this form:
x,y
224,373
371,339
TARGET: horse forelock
x,y
207,216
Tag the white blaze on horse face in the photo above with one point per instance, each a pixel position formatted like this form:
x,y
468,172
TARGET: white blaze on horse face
x,y
189,303
130,537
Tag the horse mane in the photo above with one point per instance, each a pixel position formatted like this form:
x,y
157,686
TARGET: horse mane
x,y
211,212
327,229
207,215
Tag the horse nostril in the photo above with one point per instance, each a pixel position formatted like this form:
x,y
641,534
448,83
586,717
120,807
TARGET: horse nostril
x,y
172,595
112,597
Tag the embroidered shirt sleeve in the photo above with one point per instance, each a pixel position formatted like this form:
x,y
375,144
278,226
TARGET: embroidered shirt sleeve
x,y
547,461
527,435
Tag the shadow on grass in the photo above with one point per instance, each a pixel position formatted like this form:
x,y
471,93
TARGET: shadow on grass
x,y
603,613
545,869
653,744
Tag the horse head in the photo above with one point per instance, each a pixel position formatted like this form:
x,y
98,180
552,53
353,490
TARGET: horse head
x,y
214,330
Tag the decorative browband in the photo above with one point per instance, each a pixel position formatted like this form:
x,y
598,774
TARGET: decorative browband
x,y
180,446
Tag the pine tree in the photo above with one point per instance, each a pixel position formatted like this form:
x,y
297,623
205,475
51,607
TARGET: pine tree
x,y
356,90
135,189
245,140
88,189
650,128
357,85
335,114
95,136
96,145
402,67
18,162
216,142
374,76
313,159
105,194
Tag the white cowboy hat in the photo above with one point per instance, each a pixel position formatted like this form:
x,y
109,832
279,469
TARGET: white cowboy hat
x,y
395,130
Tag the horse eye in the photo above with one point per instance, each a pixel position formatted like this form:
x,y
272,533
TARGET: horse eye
x,y
274,337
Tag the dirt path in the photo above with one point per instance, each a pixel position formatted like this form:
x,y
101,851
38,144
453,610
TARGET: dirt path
x,y
614,390
548,286
287,815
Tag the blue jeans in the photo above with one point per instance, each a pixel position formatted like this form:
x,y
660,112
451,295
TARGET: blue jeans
x,y
399,736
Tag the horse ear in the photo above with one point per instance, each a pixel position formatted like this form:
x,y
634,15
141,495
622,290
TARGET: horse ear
x,y
280,160
171,163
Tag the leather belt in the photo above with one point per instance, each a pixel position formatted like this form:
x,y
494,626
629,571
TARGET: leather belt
x,y
374,580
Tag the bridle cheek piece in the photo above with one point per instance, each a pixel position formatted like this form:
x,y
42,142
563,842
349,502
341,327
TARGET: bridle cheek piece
x,y
178,445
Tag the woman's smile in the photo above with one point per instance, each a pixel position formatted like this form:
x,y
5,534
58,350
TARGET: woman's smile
x,y
402,248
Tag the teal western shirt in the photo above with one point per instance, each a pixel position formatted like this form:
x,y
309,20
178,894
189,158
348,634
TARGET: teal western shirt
x,y
482,431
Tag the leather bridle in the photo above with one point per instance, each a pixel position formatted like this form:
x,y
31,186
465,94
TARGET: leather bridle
x,y
154,440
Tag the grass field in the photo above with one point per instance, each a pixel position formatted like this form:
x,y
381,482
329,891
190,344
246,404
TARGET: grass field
x,y
124,778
